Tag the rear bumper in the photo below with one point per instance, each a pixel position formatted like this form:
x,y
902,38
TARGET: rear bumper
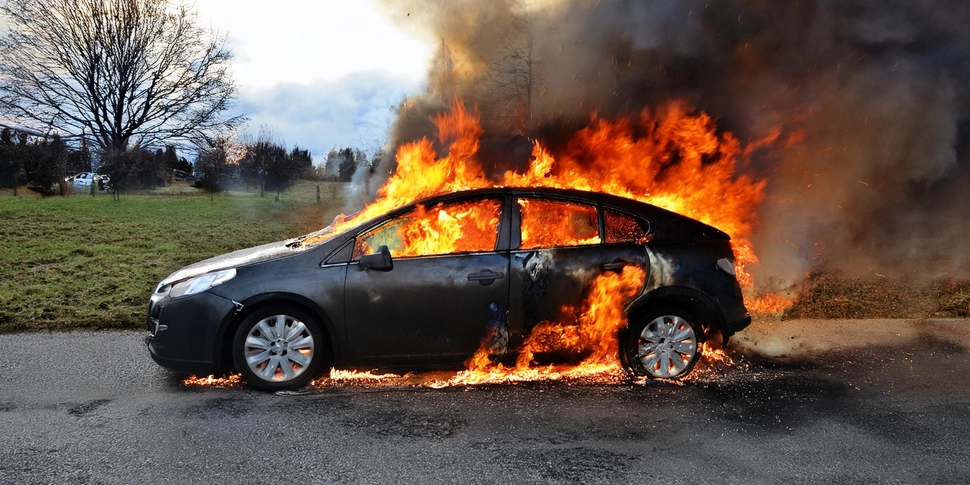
x,y
734,327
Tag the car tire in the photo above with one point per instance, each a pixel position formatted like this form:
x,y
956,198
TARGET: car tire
x,y
662,343
279,347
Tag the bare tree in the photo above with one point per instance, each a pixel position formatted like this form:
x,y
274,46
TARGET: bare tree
x,y
214,159
120,73
266,163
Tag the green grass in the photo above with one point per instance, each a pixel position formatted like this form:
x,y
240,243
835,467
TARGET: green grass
x,y
91,262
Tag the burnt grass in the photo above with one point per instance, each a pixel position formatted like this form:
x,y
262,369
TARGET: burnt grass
x,y
832,294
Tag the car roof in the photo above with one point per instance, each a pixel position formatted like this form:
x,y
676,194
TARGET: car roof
x,y
671,224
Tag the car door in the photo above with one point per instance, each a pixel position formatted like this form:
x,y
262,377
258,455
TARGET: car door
x,y
560,247
445,284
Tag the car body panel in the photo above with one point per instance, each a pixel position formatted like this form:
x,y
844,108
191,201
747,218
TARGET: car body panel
x,y
84,178
547,280
425,309
677,265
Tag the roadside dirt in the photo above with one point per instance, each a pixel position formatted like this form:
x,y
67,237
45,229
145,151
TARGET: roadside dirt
x,y
800,338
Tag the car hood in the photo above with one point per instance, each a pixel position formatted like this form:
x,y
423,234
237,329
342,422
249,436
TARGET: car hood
x,y
234,259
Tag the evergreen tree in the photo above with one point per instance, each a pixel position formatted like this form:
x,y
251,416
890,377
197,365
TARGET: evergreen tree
x,y
347,165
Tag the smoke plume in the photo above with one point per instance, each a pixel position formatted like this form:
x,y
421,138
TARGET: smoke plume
x,y
870,174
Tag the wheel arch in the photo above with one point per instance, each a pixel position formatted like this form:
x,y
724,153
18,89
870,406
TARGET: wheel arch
x,y
223,350
700,306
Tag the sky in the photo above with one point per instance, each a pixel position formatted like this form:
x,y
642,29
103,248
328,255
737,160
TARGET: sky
x,y
320,74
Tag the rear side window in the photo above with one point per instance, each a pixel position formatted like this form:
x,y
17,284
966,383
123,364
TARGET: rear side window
x,y
624,228
555,223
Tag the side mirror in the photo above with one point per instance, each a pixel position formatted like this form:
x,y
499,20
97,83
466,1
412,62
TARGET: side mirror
x,y
379,261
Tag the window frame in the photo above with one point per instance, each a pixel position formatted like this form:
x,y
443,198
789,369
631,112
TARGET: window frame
x,y
515,242
645,224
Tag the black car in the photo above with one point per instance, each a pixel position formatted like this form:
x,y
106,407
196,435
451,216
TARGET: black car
x,y
418,287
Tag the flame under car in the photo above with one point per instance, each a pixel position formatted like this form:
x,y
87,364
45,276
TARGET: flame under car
x,y
430,284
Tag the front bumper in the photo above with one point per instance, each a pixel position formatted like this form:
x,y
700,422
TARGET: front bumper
x,y
185,334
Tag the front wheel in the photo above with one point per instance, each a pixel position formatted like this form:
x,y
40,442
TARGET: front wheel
x,y
278,348
664,344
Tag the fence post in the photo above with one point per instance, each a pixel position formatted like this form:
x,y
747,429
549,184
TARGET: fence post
x,y
318,193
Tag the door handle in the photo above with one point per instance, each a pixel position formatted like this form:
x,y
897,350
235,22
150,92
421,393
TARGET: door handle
x,y
485,277
615,265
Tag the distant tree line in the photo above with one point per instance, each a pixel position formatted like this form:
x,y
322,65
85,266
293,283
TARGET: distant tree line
x,y
42,163
343,163
267,165
142,168
263,163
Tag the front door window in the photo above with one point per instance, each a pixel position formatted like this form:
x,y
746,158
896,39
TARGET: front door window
x,y
462,227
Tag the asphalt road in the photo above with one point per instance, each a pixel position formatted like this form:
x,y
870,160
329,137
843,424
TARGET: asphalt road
x,y
804,402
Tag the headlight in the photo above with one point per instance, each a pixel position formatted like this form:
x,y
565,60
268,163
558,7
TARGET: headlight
x,y
198,284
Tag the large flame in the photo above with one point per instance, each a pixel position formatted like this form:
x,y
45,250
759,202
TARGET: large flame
x,y
593,335
672,158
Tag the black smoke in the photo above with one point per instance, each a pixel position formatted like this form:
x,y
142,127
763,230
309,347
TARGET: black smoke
x,y
871,172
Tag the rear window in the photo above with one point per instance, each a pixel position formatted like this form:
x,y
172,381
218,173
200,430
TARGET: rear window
x,y
555,223
625,228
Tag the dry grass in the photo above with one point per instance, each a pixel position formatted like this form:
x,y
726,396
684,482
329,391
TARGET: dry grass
x,y
830,294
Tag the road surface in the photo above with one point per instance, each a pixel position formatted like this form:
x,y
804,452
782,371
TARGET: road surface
x,y
803,402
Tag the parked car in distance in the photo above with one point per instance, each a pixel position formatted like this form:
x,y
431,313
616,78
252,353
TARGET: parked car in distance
x,y
83,178
178,175
393,293
86,179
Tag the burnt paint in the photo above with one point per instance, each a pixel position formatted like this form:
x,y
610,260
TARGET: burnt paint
x,y
550,279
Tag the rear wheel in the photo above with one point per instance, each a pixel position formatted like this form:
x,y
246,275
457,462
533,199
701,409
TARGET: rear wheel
x,y
278,348
664,343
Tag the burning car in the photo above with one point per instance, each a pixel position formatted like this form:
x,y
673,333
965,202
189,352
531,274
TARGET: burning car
x,y
432,283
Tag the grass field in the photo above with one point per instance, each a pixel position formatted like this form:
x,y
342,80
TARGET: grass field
x,y
87,261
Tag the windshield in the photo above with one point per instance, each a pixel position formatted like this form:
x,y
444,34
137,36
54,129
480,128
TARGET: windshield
x,y
337,227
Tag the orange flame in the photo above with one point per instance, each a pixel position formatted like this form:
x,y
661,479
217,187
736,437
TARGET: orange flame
x,y
232,380
462,227
768,303
670,158
593,336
